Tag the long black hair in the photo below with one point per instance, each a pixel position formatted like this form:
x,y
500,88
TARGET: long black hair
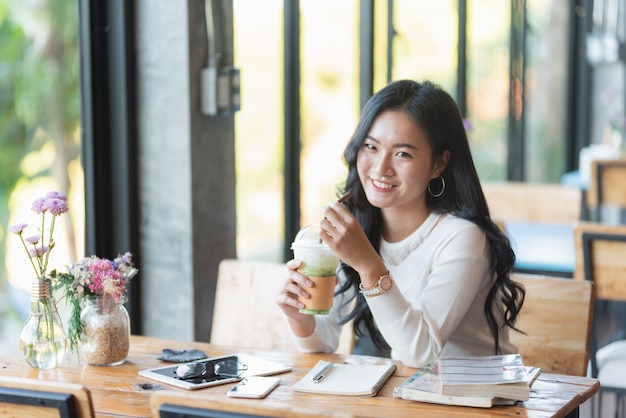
x,y
436,112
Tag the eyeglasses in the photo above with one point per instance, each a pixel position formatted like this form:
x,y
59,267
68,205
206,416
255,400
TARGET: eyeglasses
x,y
226,368
229,368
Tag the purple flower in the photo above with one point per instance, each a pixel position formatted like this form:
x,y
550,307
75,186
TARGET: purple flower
x,y
55,206
125,258
18,228
56,195
33,240
38,251
39,205
55,203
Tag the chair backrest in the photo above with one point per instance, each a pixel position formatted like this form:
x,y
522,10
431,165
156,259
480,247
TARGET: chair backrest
x,y
39,398
606,196
556,317
245,312
601,258
535,202
172,404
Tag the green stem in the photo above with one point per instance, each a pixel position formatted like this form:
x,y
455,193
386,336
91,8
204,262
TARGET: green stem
x,y
47,255
43,240
49,317
74,324
50,324
29,257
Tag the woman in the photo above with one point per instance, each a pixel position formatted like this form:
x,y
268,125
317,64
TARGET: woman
x,y
429,269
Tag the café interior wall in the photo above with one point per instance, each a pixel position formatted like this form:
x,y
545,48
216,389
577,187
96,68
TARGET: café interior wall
x,y
186,163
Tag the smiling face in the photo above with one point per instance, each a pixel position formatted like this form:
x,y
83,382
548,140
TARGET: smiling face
x,y
395,163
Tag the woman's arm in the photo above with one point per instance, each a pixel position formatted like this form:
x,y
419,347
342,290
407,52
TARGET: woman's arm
x,y
436,287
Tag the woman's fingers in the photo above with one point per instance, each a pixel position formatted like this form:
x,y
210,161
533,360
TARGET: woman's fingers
x,y
294,287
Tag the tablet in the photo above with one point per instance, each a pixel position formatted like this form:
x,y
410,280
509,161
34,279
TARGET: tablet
x,y
211,371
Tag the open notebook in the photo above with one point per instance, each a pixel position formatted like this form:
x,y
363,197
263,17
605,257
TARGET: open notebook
x,y
347,379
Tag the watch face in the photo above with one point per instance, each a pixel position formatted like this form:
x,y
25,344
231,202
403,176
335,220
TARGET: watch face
x,y
386,283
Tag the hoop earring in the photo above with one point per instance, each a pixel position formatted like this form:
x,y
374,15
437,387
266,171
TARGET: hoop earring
x,y
443,187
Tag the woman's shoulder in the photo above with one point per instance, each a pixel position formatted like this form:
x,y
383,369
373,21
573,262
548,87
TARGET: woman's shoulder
x,y
440,230
452,221
453,225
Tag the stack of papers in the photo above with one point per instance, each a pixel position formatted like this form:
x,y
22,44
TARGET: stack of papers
x,y
502,376
471,381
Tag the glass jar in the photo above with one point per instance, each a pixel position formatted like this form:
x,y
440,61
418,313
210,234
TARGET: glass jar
x,y
105,339
43,340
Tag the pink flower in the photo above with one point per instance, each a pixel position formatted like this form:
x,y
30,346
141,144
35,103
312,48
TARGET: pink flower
x,y
100,277
56,195
38,251
18,228
56,206
106,279
39,205
54,202
33,240
101,267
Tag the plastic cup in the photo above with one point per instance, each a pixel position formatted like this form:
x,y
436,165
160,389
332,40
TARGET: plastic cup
x,y
319,263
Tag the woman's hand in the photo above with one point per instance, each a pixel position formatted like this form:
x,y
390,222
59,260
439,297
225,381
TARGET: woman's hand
x,y
343,234
295,286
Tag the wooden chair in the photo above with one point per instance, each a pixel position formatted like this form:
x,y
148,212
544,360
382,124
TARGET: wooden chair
x,y
601,259
556,317
245,312
533,216
606,196
533,202
171,404
24,397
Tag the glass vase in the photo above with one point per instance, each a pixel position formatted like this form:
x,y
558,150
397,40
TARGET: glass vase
x,y
105,339
43,340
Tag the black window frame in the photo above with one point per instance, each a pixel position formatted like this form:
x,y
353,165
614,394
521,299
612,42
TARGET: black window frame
x,y
109,134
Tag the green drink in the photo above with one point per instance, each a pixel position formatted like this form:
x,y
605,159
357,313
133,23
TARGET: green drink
x,y
319,263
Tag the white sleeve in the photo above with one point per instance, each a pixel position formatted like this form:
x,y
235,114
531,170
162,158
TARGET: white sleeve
x,y
417,321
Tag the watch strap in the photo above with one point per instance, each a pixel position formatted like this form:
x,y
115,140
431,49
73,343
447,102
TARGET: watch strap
x,y
376,290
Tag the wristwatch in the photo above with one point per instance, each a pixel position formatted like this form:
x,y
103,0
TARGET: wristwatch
x,y
383,285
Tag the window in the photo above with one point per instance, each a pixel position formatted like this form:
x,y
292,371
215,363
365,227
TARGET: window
x,y
547,81
515,53
40,141
258,129
329,109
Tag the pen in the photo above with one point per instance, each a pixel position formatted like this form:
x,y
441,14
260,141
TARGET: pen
x,y
319,376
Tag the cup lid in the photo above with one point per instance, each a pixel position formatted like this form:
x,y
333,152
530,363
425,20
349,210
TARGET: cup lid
x,y
308,236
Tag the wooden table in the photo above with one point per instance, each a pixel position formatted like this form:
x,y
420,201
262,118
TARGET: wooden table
x,y
120,391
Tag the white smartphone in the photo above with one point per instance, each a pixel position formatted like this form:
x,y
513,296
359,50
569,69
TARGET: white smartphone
x,y
254,387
